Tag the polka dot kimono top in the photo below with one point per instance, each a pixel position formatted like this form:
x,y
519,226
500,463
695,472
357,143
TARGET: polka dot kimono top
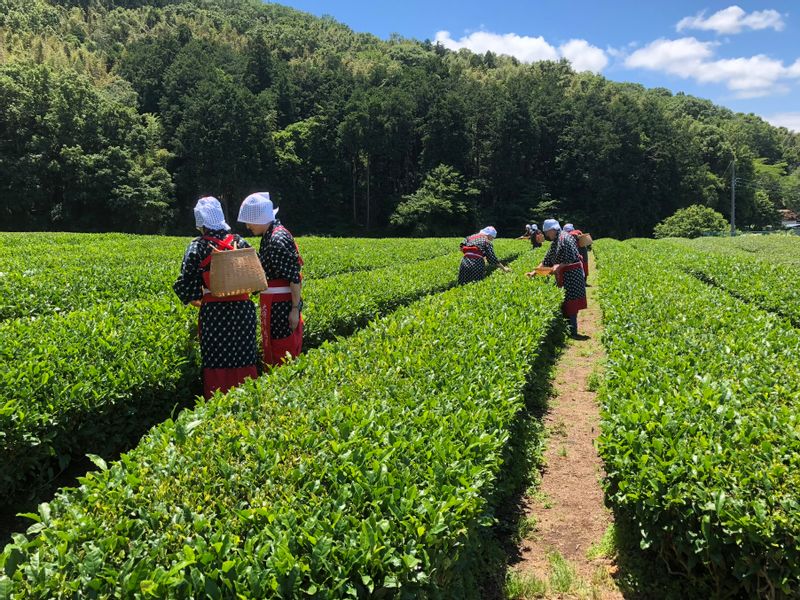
x,y
476,248
227,329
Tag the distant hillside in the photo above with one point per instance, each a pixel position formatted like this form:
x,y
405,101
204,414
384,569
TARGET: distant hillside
x,y
117,115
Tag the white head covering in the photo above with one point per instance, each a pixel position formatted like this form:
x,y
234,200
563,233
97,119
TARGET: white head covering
x,y
489,231
550,224
208,213
569,227
257,209
531,228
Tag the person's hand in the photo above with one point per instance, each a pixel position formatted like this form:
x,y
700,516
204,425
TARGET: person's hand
x,y
294,318
506,269
196,303
530,274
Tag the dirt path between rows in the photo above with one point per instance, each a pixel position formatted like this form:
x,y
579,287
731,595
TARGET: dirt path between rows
x,y
562,554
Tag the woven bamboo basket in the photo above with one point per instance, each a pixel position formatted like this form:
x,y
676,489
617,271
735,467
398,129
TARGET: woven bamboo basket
x,y
584,240
235,272
543,270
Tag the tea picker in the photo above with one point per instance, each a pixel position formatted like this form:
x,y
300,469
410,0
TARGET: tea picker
x,y
218,275
281,303
478,251
533,234
564,259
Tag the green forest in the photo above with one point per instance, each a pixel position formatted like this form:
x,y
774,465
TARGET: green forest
x,y
115,115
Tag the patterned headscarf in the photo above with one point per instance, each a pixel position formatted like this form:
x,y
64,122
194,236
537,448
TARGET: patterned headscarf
x,y
550,224
257,209
569,227
489,231
208,213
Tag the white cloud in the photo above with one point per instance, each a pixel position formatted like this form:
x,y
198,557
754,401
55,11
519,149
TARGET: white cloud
x,y
733,20
582,55
615,52
523,47
750,77
790,120
681,57
621,52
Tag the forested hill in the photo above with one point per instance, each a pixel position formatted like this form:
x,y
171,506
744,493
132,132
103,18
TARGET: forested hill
x,y
117,115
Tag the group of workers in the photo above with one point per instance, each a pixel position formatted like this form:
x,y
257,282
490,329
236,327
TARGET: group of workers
x,y
536,237
227,325
569,261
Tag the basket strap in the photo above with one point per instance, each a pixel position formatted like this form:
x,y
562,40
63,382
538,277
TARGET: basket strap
x,y
225,244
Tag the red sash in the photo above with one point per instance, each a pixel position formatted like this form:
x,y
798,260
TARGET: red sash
x,y
471,251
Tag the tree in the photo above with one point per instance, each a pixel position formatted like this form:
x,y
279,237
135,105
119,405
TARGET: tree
x,y
443,132
765,214
768,177
306,167
231,96
791,191
72,157
144,64
223,142
692,222
444,204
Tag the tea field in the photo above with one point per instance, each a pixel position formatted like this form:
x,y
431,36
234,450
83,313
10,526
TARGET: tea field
x,y
88,369
700,434
358,469
377,464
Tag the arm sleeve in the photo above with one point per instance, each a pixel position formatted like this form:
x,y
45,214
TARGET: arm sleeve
x,y
286,261
550,258
263,255
279,259
490,255
189,285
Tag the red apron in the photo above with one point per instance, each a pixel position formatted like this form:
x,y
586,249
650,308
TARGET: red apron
x,y
275,350
221,380
569,307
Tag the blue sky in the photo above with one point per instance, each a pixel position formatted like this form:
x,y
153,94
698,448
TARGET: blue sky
x,y
743,55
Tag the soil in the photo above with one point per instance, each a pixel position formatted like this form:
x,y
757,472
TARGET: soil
x,y
568,506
